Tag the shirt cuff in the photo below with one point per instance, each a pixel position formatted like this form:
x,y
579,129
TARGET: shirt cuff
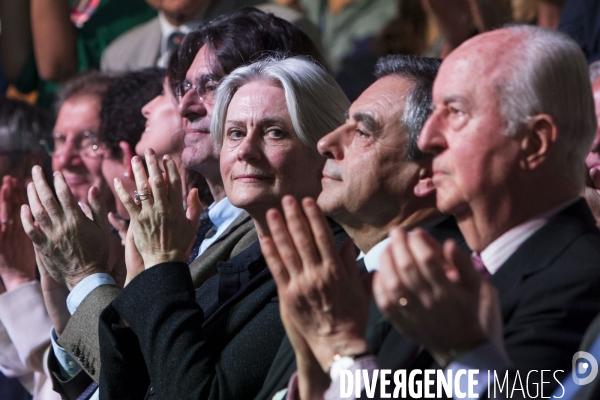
x,y
68,366
484,358
85,287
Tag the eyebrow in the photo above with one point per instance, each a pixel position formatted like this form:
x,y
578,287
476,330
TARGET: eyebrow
x,y
455,97
207,77
370,123
262,121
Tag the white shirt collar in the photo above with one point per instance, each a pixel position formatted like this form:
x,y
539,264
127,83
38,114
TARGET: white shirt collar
x,y
373,256
222,211
497,252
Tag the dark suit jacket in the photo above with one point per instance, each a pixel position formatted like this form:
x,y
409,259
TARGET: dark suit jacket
x,y
394,351
80,337
549,291
216,344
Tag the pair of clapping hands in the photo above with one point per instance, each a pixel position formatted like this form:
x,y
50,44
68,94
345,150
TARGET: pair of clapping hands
x,y
429,292
71,241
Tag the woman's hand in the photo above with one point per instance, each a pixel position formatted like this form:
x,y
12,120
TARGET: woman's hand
x,y
162,231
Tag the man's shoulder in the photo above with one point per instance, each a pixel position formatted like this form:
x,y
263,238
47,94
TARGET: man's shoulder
x,y
135,49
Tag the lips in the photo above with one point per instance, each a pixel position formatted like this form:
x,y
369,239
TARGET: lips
x,y
252,177
75,180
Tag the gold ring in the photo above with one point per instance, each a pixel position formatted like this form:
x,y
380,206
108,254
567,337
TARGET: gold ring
x,y
402,301
139,197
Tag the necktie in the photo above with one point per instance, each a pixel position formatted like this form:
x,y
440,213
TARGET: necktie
x,y
174,40
205,225
479,265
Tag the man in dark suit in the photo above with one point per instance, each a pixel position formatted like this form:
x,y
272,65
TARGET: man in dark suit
x,y
376,178
509,146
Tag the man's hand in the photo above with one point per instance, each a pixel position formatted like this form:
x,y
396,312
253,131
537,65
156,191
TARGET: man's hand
x,y
432,294
17,259
319,290
70,245
162,231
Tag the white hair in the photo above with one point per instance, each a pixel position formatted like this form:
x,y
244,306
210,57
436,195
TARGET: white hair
x,y
316,103
549,74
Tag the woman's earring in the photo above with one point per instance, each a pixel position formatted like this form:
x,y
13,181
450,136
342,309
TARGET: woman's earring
x,y
126,175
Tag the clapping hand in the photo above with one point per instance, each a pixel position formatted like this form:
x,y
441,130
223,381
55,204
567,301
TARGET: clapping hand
x,y
68,244
162,230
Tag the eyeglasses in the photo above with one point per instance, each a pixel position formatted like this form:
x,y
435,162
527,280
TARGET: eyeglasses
x,y
85,143
205,87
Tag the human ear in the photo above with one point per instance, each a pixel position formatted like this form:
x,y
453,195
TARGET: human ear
x,y
538,137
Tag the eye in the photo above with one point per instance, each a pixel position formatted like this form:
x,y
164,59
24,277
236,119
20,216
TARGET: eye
x,y
457,116
235,134
275,133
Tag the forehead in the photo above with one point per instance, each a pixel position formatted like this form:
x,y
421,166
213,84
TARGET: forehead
x,y
78,114
203,64
384,100
258,99
474,67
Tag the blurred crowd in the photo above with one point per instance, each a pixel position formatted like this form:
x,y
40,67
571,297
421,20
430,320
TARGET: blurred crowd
x,y
250,199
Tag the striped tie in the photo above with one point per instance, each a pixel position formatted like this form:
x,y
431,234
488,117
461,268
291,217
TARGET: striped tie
x,y
479,265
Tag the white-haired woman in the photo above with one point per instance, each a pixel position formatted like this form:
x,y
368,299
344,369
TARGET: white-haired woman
x,y
220,341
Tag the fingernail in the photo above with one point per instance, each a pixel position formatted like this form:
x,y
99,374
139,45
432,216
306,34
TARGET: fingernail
x,y
136,160
149,152
36,169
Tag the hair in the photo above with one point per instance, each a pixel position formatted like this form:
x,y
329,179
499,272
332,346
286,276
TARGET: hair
x,y
240,38
548,74
594,71
90,83
421,71
121,115
316,103
22,127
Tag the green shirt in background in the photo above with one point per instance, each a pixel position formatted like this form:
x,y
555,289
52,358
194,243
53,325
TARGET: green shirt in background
x,y
111,19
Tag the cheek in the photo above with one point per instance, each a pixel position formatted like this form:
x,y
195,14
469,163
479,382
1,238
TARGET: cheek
x,y
94,166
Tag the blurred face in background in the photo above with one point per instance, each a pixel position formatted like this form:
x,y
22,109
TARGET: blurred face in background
x,y
162,123
74,155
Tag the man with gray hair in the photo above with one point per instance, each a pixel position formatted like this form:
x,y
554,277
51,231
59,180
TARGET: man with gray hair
x,y
512,123
376,178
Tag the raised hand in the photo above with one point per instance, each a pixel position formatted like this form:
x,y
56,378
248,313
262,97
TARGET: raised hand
x,y
17,259
320,291
68,244
432,294
162,230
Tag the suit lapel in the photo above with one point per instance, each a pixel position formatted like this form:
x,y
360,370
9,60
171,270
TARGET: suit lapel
x,y
204,266
542,248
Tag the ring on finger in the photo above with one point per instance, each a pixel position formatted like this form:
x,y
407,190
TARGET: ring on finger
x,y
403,301
139,197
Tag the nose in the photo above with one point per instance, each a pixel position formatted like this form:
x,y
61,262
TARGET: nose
x,y
191,106
147,109
431,139
249,149
330,145
66,157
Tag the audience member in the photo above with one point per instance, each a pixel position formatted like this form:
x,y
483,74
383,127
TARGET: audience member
x,y
151,43
24,322
365,192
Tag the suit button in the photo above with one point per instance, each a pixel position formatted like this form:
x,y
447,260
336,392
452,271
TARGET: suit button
x,y
151,391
